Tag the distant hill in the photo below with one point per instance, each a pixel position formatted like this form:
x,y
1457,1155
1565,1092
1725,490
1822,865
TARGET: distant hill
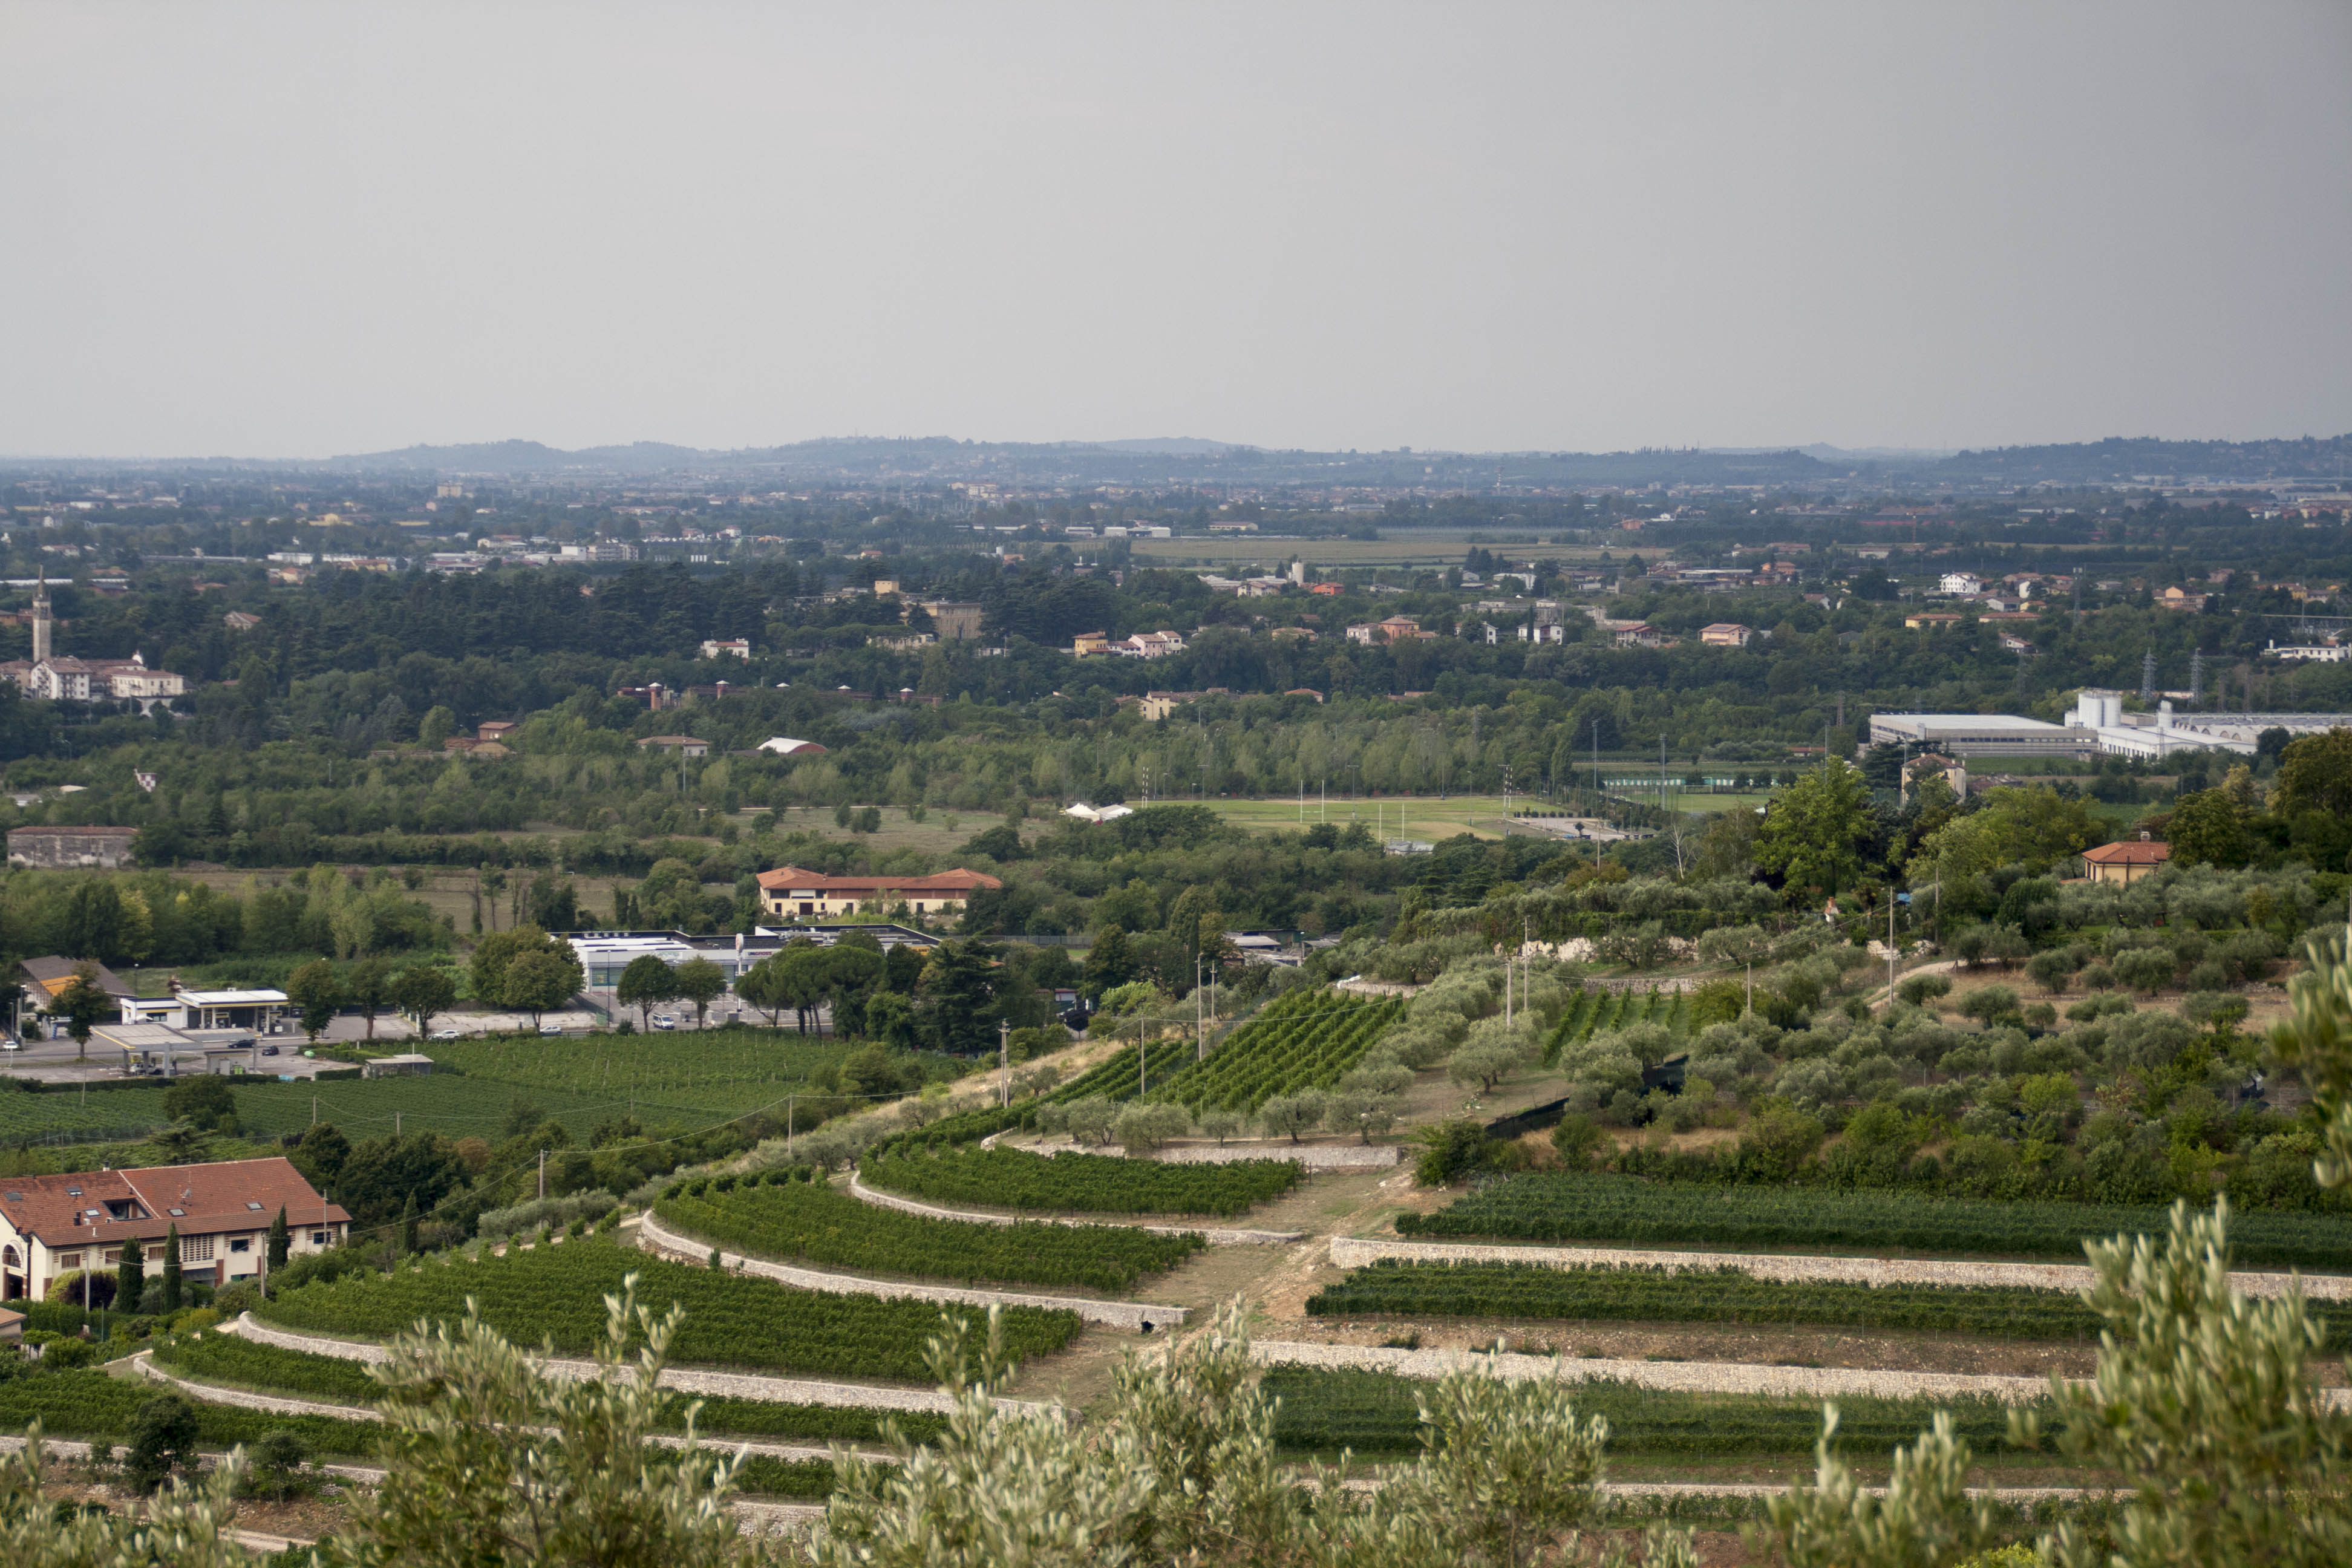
x,y
1165,443
1143,461
2121,458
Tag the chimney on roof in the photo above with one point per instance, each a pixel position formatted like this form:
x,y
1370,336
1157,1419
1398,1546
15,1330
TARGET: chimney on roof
x,y
2143,836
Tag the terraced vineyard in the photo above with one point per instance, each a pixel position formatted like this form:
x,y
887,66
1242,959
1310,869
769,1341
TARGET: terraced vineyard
x,y
726,1071
1562,1206
1309,1039
87,1403
1400,1287
247,1364
557,1293
795,1219
1326,1410
62,1115
448,1104
1084,1183
1595,1012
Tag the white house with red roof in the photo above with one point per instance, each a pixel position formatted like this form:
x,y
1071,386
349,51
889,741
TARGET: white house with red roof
x,y
53,1226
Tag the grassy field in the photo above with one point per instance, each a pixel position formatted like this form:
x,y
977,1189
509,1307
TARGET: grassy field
x,y
1429,818
675,1081
1426,817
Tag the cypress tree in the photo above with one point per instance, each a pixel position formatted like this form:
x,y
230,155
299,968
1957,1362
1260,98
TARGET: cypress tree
x,y
408,1246
171,1269
281,1239
130,1277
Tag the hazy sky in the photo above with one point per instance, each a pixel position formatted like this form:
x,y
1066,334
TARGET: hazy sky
x,y
307,229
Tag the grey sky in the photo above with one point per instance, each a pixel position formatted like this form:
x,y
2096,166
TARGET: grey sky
x,y
306,229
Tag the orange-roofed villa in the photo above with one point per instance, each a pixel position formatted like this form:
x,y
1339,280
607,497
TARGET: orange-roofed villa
x,y
792,893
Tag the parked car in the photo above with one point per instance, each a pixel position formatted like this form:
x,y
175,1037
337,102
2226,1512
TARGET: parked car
x,y
269,1050
550,1028
663,1021
444,1034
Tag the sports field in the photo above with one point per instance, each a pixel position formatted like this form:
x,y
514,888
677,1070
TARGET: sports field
x,y
1425,817
1430,818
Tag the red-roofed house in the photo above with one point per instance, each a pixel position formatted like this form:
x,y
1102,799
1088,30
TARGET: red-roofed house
x,y
51,1226
792,892
2127,861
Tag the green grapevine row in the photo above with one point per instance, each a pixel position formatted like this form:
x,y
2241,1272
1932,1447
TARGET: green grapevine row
x,y
1593,1012
87,1403
731,1320
799,1220
1324,1410
1634,1294
248,1364
1564,1206
1084,1183
1310,1045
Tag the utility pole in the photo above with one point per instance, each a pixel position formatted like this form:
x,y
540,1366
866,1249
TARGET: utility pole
x,y
542,1174
1142,1063
1890,941
788,1122
1004,1056
1200,1018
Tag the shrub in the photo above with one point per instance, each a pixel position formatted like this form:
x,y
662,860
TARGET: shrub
x,y
1222,1125
2145,969
1578,1139
1452,1151
497,1223
1291,1114
2050,971
1989,1003
1482,1066
1141,1129
1920,989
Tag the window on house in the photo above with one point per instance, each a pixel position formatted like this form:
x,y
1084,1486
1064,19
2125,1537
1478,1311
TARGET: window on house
x,y
195,1249
242,1244
318,1238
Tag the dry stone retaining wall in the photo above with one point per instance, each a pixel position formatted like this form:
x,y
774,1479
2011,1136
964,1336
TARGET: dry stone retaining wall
x,y
1314,1156
1348,1252
1686,1377
214,1393
858,1189
1136,1316
686,1380
1690,1377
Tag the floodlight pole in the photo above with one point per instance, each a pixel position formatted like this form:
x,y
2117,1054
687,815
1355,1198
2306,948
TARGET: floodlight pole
x,y
1004,1056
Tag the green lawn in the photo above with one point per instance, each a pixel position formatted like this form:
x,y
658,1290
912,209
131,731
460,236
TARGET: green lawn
x,y
1429,817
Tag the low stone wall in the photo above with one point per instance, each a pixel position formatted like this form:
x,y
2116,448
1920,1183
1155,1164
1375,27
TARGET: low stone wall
x,y
1688,1377
144,1363
1348,1252
1135,1316
1314,1156
214,1393
858,1189
686,1380
1684,1377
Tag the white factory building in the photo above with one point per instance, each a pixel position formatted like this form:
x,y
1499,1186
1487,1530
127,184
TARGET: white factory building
x,y
2096,726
